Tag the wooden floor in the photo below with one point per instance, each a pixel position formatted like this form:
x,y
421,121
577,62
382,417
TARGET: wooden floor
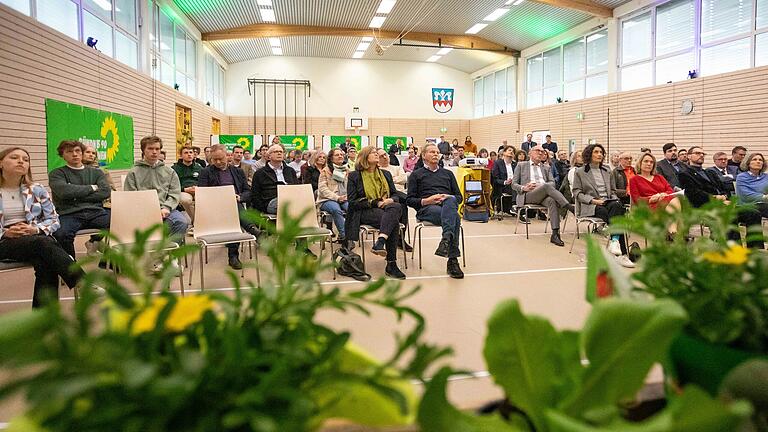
x,y
545,278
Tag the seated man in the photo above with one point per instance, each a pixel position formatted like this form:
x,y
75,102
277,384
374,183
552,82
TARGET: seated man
x,y
149,173
726,173
218,173
189,173
502,174
398,174
261,162
266,180
534,185
79,192
435,195
198,160
670,167
238,161
701,186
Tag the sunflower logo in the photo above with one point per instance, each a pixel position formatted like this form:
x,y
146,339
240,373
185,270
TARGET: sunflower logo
x,y
107,126
244,142
299,143
355,142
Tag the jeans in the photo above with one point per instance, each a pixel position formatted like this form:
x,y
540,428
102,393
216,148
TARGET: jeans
x,y
177,225
336,211
74,222
387,220
446,215
50,262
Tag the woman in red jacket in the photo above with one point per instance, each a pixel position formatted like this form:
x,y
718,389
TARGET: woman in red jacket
x,y
652,188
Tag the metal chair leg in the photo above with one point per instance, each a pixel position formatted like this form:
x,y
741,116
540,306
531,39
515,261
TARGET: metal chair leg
x,y
402,240
575,236
463,250
419,238
517,223
202,276
363,235
181,277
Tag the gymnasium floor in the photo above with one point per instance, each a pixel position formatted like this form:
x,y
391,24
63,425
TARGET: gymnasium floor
x,y
545,278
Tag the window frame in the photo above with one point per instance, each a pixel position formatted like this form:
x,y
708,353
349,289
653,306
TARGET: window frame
x,y
159,61
509,97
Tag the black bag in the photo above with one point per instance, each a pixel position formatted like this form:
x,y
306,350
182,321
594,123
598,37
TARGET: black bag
x,y
635,252
350,264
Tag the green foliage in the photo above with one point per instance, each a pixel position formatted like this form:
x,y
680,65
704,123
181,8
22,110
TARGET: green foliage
x,y
575,381
749,381
720,285
258,360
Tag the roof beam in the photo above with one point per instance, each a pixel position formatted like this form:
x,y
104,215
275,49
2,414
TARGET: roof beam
x,y
282,30
587,6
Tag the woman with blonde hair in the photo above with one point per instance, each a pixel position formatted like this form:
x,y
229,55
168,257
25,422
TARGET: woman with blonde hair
x,y
27,220
314,166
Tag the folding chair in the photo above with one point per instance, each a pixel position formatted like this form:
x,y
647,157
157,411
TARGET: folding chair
x,y
523,210
298,199
217,223
591,221
368,230
135,211
417,234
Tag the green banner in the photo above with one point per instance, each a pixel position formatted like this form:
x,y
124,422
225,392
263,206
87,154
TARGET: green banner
x,y
389,141
294,142
230,141
110,133
338,140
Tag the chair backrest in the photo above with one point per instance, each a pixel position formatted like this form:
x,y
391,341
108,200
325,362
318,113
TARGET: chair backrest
x,y
134,210
122,181
297,199
216,211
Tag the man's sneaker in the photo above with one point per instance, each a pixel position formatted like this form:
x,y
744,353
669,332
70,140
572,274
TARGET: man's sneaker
x,y
380,247
454,269
624,261
393,271
443,247
235,263
614,247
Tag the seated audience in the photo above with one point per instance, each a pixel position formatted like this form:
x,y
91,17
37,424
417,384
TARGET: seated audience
x,y
199,161
455,144
752,184
163,155
443,146
622,174
549,145
149,173
469,147
372,202
189,173
314,167
247,157
533,183
435,195
483,153
238,161
726,173
399,177
332,191
682,156
90,158
27,221
561,166
650,187
452,161
521,156
78,193
528,144
262,156
670,167
701,186
352,158
219,173
266,180
614,160
502,176
409,164
394,151
207,154
737,157
594,189
577,161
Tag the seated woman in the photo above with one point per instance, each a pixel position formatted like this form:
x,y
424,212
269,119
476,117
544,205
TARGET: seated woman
x,y
332,190
409,164
521,156
372,201
752,184
594,191
648,187
27,220
315,166
483,153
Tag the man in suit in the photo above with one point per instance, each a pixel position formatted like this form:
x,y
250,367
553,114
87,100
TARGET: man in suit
x,y
670,167
502,175
701,186
534,185
550,145
528,144
218,173
265,180
726,173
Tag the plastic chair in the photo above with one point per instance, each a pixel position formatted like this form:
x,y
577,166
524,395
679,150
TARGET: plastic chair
x,y
217,223
523,210
368,230
591,221
136,211
417,234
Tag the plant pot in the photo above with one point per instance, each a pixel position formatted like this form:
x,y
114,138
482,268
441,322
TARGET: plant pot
x,y
705,364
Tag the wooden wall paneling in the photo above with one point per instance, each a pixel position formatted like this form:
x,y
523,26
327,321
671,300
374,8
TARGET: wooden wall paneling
x,y
688,129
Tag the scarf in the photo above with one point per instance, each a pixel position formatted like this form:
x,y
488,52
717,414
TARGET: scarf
x,y
375,185
339,172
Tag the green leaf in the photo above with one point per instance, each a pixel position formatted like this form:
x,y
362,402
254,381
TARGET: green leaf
x,y
622,339
22,333
523,355
436,414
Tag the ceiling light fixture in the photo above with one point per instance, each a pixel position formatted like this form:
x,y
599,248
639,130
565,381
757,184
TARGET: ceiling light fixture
x,y
386,6
274,42
267,15
493,16
444,51
363,46
277,51
358,54
433,59
377,22
476,28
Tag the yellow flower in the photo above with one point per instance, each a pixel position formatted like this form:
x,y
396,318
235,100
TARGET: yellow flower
x,y
736,255
186,311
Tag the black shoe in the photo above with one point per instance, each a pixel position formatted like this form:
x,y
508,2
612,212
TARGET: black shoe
x,y
253,230
406,248
524,219
235,263
379,248
555,239
393,271
443,247
570,208
542,216
454,269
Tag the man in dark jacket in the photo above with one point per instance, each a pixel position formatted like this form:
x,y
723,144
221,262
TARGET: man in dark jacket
x,y
189,172
218,173
266,180
670,167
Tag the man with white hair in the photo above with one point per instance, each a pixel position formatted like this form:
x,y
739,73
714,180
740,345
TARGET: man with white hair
x,y
266,180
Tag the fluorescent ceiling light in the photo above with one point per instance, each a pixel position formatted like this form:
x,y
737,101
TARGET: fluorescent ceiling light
x,y
476,28
264,2
517,2
433,59
444,51
363,46
377,22
367,39
274,42
358,54
493,16
277,51
267,15
385,6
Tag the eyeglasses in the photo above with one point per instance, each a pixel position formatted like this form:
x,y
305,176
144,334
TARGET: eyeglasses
x,y
698,153
722,159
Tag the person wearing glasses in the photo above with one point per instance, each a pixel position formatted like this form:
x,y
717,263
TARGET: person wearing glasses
x,y
726,173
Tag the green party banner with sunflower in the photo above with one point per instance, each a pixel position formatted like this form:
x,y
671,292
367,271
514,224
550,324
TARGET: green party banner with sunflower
x,y
244,141
389,141
354,139
110,133
295,142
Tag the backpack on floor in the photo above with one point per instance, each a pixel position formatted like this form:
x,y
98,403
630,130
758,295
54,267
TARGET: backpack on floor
x,y
350,264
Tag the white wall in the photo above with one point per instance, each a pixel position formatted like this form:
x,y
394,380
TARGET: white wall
x,y
388,89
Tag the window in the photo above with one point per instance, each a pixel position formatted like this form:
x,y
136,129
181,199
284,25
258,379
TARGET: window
x,y
553,69
725,57
674,68
214,79
636,39
675,27
20,5
597,52
500,84
511,89
126,50
125,15
59,14
597,85
478,97
762,13
721,19
175,51
94,27
637,76
761,50
488,95
492,93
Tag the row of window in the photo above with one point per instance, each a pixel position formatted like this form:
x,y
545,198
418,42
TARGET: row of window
x,y
496,93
